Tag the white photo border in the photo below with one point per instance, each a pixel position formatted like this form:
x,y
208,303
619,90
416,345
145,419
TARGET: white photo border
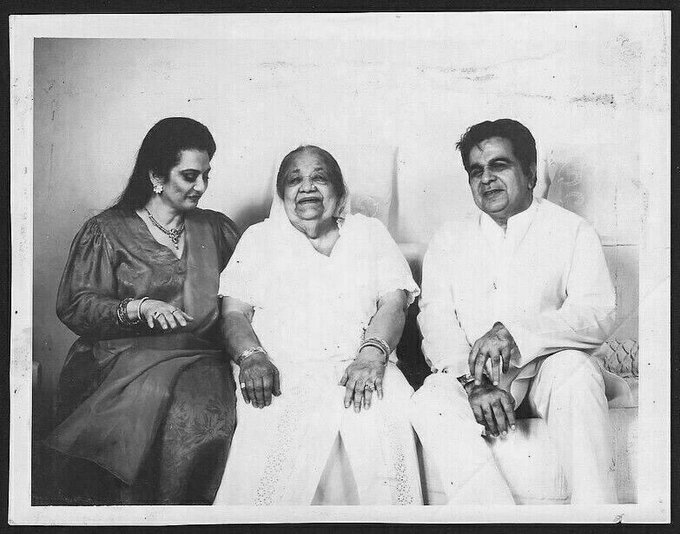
x,y
654,411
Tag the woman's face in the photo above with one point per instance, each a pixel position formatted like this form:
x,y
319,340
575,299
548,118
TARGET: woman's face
x,y
308,194
187,181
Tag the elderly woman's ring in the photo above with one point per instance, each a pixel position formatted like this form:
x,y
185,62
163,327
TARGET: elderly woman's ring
x,y
369,387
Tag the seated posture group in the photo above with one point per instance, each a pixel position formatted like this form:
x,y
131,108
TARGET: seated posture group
x,y
302,313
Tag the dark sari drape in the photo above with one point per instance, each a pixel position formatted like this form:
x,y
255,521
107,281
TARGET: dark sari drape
x,y
117,383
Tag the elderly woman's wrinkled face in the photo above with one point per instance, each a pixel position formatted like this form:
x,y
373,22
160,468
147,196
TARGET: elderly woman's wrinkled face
x,y
308,193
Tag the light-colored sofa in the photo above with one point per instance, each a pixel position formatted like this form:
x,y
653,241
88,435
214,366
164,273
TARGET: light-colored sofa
x,y
526,458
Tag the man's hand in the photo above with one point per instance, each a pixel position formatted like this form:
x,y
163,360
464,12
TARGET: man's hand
x,y
259,380
496,345
493,407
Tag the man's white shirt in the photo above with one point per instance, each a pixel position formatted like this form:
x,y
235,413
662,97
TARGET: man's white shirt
x,y
545,278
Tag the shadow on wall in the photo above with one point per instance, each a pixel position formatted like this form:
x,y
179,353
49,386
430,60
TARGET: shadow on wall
x,y
257,208
252,213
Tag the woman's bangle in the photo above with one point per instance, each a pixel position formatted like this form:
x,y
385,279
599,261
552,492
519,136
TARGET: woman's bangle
x,y
139,309
379,344
121,313
248,353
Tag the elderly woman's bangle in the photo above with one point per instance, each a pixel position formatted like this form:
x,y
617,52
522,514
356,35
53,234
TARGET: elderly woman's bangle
x,y
121,312
379,344
248,353
139,309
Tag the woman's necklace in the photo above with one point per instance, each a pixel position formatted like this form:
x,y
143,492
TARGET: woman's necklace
x,y
173,234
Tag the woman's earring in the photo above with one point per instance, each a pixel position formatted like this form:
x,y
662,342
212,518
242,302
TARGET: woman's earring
x,y
157,188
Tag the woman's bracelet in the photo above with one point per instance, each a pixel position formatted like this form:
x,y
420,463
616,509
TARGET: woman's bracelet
x,y
139,309
121,313
379,344
248,353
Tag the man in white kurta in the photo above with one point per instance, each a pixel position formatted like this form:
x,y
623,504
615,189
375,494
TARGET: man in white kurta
x,y
521,293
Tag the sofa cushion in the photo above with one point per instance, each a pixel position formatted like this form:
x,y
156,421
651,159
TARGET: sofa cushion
x,y
620,356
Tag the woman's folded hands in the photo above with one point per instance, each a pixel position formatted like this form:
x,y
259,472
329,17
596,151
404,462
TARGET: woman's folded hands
x,y
362,377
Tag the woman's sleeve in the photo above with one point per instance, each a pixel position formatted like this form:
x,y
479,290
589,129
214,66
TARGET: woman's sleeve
x,y
241,278
86,300
228,235
393,272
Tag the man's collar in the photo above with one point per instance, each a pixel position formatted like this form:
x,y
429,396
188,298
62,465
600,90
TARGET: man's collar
x,y
521,221
518,224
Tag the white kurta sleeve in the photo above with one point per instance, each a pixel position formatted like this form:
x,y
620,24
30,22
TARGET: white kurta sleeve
x,y
392,269
586,316
445,344
239,279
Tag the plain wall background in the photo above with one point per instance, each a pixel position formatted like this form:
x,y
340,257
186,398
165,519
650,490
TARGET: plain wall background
x,y
94,100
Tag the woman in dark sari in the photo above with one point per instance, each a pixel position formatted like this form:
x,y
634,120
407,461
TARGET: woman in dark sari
x,y
146,398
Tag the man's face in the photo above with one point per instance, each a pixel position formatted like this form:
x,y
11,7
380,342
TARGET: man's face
x,y
499,185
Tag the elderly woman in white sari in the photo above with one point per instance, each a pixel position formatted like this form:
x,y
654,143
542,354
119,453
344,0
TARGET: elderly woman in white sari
x,y
314,305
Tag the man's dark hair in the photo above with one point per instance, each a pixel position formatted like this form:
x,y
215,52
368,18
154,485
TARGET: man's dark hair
x,y
523,143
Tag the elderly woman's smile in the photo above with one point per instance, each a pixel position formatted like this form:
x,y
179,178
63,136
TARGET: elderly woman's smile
x,y
309,207
305,202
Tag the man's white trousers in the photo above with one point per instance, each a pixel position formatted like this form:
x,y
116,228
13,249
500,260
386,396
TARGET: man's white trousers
x,y
567,392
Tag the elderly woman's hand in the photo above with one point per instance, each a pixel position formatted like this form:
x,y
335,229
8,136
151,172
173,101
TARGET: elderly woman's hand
x,y
158,312
259,380
363,376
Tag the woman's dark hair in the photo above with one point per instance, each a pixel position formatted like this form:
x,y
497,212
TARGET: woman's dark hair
x,y
335,174
160,152
523,143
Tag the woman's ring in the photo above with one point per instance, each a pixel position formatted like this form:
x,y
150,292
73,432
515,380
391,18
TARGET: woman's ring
x,y
155,314
243,385
174,310
369,387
